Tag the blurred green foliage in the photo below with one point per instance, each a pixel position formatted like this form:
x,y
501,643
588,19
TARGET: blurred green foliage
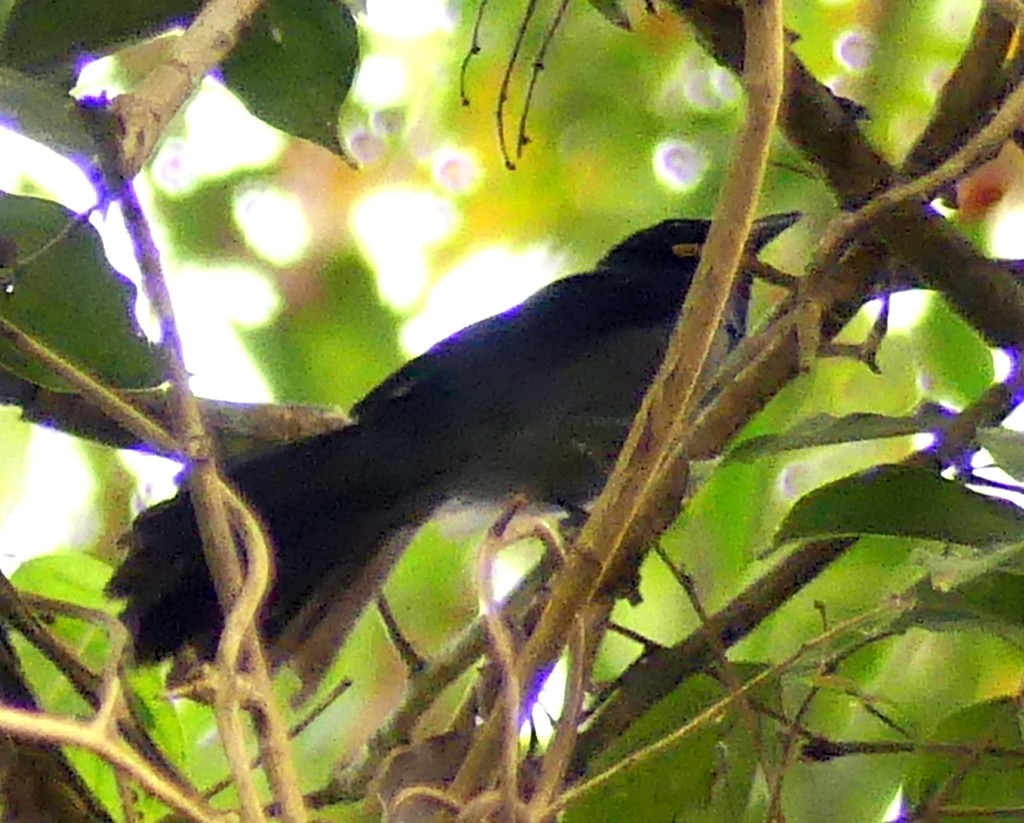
x,y
625,128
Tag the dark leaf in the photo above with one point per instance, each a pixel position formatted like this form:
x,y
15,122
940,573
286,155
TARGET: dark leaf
x,y
967,777
828,430
295,67
992,602
63,291
42,34
903,501
45,112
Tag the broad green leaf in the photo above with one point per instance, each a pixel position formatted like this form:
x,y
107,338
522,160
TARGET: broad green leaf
x,y
968,777
707,775
42,34
958,565
903,501
60,289
158,714
993,602
45,112
829,430
956,363
1006,448
295,67
74,577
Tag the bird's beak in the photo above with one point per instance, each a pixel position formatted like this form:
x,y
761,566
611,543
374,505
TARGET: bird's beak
x,y
762,233
768,228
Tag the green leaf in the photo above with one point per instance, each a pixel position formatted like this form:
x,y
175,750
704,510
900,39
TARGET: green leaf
x,y
613,11
903,501
706,776
829,430
954,568
993,602
955,361
295,67
61,290
967,777
45,112
74,577
45,33
1006,448
158,714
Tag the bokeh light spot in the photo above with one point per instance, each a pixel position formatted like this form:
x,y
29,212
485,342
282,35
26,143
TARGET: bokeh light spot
x,y
1006,237
382,80
488,282
854,50
408,19
365,147
52,509
456,171
395,226
273,223
953,19
209,303
678,164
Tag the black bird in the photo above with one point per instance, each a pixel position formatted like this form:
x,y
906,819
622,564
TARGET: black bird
x,y
536,400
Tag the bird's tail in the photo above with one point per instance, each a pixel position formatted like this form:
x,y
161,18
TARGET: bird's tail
x,y
338,507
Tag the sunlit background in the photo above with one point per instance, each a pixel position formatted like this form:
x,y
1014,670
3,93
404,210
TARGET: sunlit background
x,y
297,278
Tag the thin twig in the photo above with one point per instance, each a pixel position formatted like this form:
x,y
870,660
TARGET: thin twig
x,y
339,689
43,728
208,502
406,651
140,424
583,645
145,112
715,711
474,49
538,66
246,607
504,654
506,81
730,677
632,505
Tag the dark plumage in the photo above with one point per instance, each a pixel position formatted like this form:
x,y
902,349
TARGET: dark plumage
x,y
536,400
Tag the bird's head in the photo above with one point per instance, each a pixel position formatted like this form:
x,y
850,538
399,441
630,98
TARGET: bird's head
x,y
667,242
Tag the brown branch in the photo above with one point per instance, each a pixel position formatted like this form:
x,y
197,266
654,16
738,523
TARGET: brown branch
x,y
656,673
818,124
112,406
144,113
210,508
715,711
238,427
976,87
42,728
643,492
